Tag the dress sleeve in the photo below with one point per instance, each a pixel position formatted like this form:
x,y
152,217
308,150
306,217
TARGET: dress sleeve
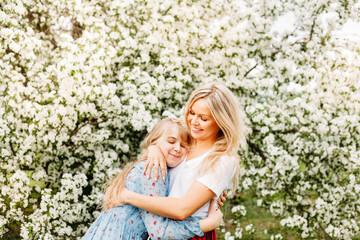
x,y
160,227
219,179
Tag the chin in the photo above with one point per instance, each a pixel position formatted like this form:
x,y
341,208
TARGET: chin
x,y
195,135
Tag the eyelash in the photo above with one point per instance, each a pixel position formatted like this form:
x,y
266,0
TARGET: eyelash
x,y
192,113
181,145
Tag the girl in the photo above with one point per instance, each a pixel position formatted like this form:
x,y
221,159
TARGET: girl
x,y
128,222
213,117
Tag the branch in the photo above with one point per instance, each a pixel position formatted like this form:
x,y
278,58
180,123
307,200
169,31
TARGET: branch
x,y
61,126
310,37
22,68
250,70
257,150
86,123
328,164
167,10
327,236
32,100
12,148
299,42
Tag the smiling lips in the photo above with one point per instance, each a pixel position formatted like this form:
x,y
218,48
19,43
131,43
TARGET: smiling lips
x,y
176,156
195,130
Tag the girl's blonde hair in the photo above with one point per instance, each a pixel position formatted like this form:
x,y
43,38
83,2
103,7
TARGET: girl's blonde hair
x,y
225,109
114,186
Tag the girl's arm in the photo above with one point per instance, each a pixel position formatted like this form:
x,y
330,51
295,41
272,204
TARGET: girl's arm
x,y
177,208
213,220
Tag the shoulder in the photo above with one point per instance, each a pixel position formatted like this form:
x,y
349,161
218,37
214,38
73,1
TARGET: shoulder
x,y
226,165
139,166
139,170
228,160
136,171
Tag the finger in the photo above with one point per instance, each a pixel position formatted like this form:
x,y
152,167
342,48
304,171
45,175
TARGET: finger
x,y
146,165
156,172
222,199
148,172
224,193
219,203
163,169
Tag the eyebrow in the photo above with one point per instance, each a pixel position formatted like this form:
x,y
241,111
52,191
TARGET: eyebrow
x,y
172,137
205,115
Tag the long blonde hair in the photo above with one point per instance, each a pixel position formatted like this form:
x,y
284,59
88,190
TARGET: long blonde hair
x,y
225,109
114,186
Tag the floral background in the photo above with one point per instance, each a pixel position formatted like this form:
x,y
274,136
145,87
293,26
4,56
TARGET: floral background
x,y
82,81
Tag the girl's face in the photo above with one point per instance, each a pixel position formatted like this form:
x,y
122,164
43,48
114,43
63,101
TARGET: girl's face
x,y
201,122
172,146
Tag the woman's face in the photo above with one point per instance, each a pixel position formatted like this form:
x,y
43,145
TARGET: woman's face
x,y
201,122
172,146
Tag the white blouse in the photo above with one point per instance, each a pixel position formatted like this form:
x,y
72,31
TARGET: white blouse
x,y
185,174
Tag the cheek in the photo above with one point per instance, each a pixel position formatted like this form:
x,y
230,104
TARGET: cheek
x,y
165,148
213,127
189,118
184,151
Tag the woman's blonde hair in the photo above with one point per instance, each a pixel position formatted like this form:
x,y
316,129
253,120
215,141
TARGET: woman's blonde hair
x,y
225,109
114,186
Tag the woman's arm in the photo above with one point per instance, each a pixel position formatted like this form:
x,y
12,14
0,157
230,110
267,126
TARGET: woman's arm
x,y
197,196
155,158
177,208
160,227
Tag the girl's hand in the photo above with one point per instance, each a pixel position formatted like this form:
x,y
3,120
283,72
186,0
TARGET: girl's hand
x,y
213,219
120,200
122,197
215,215
221,199
155,158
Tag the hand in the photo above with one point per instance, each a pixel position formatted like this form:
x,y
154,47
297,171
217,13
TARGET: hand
x,y
122,197
221,199
119,201
155,158
215,214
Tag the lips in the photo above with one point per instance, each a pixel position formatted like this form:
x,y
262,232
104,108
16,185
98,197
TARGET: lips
x,y
195,130
175,156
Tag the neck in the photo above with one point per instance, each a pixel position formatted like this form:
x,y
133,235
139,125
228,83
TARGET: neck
x,y
203,146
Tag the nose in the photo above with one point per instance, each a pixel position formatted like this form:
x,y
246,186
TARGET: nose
x,y
194,121
177,147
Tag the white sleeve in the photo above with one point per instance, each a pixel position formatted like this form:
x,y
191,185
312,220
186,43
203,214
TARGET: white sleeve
x,y
219,179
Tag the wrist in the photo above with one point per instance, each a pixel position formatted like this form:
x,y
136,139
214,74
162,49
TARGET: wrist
x,y
126,196
207,224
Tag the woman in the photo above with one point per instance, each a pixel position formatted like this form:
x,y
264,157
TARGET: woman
x,y
212,115
128,222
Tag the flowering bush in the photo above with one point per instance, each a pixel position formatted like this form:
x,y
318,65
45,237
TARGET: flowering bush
x,y
83,81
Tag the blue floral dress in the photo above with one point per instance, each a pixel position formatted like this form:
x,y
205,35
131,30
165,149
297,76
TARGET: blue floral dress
x,y
129,222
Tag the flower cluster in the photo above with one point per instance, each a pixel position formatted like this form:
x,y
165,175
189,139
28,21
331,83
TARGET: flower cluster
x,y
81,82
